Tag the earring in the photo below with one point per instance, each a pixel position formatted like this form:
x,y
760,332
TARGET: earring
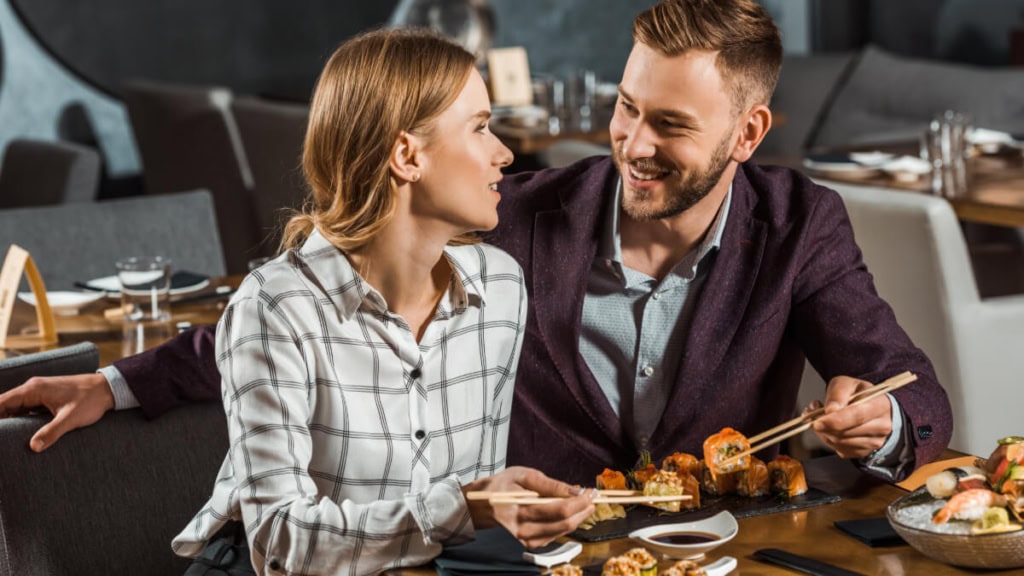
x,y
416,177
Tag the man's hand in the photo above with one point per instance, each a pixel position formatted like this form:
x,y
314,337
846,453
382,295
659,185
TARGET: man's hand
x,y
74,401
852,431
533,524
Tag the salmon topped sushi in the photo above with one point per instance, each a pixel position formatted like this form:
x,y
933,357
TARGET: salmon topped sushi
x,y
787,476
681,461
720,447
753,481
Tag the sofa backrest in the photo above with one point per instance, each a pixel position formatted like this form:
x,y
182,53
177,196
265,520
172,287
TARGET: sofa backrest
x,y
889,98
108,498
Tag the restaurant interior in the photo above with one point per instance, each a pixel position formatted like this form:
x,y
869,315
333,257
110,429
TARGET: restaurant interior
x,y
175,128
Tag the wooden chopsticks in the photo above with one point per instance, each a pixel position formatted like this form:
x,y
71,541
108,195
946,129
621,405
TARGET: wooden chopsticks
x,y
604,496
804,421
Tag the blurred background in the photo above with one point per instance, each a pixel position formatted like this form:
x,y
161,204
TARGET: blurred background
x,y
63,62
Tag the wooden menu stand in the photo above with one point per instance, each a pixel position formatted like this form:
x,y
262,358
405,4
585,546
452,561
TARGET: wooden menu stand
x,y
19,261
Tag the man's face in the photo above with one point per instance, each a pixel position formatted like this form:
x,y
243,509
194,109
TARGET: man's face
x,y
673,131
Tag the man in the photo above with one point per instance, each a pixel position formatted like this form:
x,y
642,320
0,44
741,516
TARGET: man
x,y
675,288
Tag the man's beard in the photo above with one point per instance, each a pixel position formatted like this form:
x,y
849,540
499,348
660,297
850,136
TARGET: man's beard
x,y
691,190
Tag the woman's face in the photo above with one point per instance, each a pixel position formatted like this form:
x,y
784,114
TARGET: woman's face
x,y
461,164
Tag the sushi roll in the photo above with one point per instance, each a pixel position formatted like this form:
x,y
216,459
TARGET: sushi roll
x,y
681,461
717,484
620,566
691,487
566,570
664,484
685,568
610,480
648,565
753,481
787,477
642,475
724,445
603,511
957,479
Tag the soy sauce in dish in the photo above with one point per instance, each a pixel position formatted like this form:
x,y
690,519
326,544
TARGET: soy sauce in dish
x,y
678,538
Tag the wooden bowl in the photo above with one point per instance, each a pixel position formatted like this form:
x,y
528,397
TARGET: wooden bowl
x,y
1004,550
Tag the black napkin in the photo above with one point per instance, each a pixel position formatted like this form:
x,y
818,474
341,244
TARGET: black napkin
x,y
495,552
871,531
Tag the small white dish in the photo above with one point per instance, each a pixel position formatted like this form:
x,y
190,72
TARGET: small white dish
x,y
716,530
721,567
64,303
112,286
560,555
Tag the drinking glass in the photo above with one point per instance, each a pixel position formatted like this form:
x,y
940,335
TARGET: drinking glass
x,y
944,146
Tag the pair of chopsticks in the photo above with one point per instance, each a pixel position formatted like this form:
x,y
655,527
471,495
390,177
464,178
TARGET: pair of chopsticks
x,y
604,497
804,421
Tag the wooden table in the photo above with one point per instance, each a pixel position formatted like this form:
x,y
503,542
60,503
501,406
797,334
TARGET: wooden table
x,y
92,325
809,532
995,193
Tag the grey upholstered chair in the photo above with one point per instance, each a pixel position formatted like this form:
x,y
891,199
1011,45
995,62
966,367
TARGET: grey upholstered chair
x,y
74,359
188,139
913,247
41,173
272,135
108,498
78,242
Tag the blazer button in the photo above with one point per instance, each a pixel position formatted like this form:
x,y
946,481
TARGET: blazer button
x,y
924,432
415,374
420,434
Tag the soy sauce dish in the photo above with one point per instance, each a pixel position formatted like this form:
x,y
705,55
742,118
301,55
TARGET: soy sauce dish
x,y
689,539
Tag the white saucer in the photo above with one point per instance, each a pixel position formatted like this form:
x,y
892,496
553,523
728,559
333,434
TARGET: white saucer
x,y
112,286
64,303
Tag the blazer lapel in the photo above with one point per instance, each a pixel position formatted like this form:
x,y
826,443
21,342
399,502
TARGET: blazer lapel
x,y
720,308
564,246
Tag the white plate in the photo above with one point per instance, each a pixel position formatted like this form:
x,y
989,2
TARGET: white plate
x,y
63,302
112,286
722,525
839,164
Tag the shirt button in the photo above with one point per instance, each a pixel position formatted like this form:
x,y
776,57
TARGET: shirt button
x,y
656,295
648,370
420,434
415,374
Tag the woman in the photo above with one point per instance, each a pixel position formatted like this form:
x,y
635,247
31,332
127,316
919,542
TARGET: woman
x,y
368,371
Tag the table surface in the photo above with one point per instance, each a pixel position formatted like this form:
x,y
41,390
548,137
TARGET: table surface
x,y
808,532
995,193
107,333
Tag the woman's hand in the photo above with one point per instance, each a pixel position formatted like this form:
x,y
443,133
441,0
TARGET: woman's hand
x,y
533,524
852,431
75,401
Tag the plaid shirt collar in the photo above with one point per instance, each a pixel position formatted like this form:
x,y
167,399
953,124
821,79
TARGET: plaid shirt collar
x,y
327,266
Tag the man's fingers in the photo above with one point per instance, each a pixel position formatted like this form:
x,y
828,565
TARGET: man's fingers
x,y
839,391
18,401
847,419
51,431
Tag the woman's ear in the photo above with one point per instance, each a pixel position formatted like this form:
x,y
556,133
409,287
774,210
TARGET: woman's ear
x,y
406,158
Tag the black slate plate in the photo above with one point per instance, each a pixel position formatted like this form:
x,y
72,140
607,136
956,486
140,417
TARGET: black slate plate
x,y
741,507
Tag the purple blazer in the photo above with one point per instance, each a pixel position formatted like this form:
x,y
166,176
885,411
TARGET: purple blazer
x,y
787,282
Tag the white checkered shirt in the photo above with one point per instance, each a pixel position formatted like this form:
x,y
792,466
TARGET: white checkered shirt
x,y
350,440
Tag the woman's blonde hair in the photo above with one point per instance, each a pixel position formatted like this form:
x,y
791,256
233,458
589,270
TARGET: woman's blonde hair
x,y
374,87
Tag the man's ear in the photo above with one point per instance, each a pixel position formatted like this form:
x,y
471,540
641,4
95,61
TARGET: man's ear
x,y
753,127
406,158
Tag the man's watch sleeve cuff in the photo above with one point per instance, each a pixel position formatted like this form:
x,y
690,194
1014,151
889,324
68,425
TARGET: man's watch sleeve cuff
x,y
123,396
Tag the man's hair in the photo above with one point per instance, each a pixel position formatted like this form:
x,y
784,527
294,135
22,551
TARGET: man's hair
x,y
374,87
741,31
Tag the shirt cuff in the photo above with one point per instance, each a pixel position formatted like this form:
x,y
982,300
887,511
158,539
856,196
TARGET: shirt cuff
x,y
896,455
123,396
441,513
